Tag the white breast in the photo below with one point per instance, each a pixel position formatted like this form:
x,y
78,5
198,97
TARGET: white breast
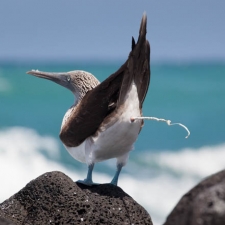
x,y
116,140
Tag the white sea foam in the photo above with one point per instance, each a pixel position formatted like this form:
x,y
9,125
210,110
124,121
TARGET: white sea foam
x,y
188,162
4,84
191,162
22,159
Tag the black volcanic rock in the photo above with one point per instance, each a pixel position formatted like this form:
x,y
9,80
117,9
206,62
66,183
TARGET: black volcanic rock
x,y
54,198
4,221
203,205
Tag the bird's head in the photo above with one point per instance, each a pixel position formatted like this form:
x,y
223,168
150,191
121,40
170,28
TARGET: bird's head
x,y
77,81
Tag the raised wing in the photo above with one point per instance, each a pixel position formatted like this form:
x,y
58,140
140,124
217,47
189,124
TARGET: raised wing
x,y
101,101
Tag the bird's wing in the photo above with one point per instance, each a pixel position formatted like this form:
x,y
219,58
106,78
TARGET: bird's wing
x,y
101,101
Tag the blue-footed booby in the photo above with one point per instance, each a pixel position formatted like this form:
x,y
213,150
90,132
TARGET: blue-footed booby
x,y
99,125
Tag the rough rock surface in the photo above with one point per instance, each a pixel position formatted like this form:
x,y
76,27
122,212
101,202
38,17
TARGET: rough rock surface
x,y
203,205
4,221
54,198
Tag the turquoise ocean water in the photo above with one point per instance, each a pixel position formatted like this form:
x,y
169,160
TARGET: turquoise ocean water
x,y
163,166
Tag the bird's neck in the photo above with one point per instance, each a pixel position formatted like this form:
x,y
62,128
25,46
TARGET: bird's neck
x,y
78,96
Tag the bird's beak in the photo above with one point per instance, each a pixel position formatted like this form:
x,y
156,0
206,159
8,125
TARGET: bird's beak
x,y
59,78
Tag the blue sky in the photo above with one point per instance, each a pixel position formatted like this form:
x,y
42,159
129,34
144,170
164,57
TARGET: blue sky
x,y
99,29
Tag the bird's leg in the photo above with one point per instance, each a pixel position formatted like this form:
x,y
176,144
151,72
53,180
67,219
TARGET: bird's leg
x,y
88,181
116,176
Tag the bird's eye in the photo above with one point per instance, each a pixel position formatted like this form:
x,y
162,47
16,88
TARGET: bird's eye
x,y
68,78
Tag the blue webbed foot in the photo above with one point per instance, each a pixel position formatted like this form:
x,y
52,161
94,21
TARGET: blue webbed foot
x,y
116,177
88,181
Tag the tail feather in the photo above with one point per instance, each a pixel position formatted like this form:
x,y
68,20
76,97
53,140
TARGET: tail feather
x,y
137,66
143,27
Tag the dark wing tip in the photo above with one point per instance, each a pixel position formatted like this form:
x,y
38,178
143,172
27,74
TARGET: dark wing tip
x,y
133,43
